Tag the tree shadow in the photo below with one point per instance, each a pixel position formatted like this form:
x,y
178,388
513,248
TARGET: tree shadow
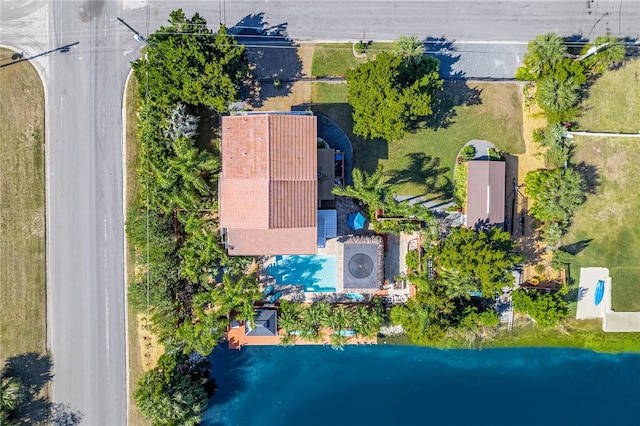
x,y
424,170
272,56
456,92
366,152
576,248
229,367
589,173
35,372
575,43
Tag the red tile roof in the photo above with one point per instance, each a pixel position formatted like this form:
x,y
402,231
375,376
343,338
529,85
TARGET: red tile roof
x,y
269,184
485,193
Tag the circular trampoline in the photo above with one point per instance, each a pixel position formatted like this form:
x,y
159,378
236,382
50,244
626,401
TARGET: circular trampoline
x,y
360,265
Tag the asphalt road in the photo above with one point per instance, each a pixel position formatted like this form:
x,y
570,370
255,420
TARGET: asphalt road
x,y
84,87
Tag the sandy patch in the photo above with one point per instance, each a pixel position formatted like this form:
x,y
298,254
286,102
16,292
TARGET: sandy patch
x,y
150,348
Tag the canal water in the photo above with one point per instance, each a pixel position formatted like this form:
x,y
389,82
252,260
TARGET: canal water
x,y
399,385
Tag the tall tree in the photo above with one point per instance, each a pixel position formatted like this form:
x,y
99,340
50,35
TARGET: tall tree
x,y
611,52
409,47
187,62
372,189
558,149
543,54
390,96
169,395
12,393
480,259
555,193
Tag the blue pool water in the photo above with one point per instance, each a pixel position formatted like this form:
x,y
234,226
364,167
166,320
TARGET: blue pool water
x,y
316,273
397,385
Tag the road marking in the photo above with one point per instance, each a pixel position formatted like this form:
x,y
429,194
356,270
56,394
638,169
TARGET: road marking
x,y
106,299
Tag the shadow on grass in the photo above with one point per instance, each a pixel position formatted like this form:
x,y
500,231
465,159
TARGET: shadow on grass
x,y
271,54
456,91
589,173
366,152
35,372
576,248
423,170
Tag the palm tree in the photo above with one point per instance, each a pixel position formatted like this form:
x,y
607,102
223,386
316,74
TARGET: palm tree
x,y
181,124
558,96
409,47
611,51
543,53
12,394
371,189
314,317
367,321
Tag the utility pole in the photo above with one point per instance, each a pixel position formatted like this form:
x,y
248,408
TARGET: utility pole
x,y
136,34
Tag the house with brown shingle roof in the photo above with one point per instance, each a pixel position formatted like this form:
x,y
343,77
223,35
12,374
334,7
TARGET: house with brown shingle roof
x,y
268,186
485,194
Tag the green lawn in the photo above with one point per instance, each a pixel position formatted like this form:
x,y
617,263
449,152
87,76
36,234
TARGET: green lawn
x,y
608,222
582,334
334,59
422,162
614,101
22,212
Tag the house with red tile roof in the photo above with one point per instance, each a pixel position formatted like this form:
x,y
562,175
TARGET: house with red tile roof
x,y
268,186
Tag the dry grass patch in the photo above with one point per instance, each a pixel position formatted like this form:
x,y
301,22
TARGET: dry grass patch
x,y
22,211
132,149
296,93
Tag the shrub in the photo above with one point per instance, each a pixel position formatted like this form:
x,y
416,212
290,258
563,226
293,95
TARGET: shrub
x,y
460,185
545,308
360,47
495,154
411,259
539,268
468,152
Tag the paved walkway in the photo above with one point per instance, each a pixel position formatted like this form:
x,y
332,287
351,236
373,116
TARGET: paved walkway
x,y
589,278
603,134
482,148
611,321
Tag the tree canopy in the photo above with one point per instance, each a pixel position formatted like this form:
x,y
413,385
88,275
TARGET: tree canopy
x,y
555,193
170,394
391,94
545,308
188,62
478,260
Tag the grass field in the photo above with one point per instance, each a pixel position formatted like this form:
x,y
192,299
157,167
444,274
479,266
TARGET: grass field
x,y
608,223
422,162
581,334
334,59
614,101
22,211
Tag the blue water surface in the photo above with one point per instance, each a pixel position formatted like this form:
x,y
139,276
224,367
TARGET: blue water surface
x,y
317,273
398,385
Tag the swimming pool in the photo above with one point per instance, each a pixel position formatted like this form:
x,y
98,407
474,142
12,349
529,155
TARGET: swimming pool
x,y
317,273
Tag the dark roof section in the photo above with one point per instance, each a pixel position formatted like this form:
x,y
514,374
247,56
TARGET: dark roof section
x,y
361,265
265,323
485,193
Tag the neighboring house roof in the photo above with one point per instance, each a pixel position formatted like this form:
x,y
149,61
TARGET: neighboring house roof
x,y
265,323
485,193
269,184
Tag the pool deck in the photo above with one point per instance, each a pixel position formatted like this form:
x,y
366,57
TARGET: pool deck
x,y
237,338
